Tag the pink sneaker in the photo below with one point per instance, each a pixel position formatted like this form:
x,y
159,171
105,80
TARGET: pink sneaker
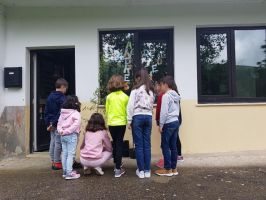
x,y
160,163
72,175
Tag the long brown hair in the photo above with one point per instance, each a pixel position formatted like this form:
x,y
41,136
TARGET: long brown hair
x,y
142,78
96,123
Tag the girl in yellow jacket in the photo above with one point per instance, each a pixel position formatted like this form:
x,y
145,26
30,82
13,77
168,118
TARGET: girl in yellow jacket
x,y
116,112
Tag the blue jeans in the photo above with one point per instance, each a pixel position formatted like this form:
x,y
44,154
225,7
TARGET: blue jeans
x,y
55,146
168,144
141,128
69,145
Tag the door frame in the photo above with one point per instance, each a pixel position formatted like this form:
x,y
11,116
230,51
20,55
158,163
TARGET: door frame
x,y
33,90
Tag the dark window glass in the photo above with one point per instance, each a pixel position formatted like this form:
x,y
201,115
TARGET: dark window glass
x,y
250,58
116,58
124,52
214,64
154,58
232,64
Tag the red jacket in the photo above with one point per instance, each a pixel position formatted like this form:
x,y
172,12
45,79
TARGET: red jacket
x,y
158,108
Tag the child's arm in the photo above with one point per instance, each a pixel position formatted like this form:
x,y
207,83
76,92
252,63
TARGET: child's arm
x,y
107,142
164,110
130,106
75,125
83,143
61,101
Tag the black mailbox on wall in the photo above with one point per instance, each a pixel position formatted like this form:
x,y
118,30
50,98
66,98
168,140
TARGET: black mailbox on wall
x,y
13,77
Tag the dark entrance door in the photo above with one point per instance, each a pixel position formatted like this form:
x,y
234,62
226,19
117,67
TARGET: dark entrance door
x,y
46,67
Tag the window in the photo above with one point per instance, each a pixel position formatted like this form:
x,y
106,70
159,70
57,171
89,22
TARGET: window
x,y
231,64
125,52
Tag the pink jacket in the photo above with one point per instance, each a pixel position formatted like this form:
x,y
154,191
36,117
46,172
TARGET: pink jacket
x,y
94,144
69,122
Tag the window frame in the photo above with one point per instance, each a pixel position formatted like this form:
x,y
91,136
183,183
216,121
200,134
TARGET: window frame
x,y
231,98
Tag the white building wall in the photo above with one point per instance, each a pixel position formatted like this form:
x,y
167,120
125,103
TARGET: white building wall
x,y
55,27
2,54
217,126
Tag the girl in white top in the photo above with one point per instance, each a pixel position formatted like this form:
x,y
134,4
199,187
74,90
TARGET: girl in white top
x,y
139,115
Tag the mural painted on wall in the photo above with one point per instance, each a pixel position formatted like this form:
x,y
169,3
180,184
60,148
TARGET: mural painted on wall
x,y
12,132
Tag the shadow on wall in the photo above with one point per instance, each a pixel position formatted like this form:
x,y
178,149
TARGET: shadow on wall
x,y
12,132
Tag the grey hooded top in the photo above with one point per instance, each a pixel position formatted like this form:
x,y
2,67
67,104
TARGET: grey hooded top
x,y
170,107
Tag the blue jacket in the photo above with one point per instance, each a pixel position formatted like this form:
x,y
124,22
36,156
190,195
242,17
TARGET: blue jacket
x,y
52,108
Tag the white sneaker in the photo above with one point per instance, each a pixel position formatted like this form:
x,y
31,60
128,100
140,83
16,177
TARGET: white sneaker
x,y
99,171
140,174
147,174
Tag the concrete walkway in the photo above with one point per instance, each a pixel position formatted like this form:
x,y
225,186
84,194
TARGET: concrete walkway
x,y
222,176
233,159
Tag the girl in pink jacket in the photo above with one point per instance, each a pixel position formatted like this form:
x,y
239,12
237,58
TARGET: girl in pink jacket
x,y
69,127
96,148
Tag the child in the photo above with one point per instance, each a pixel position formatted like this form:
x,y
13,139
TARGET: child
x,y
69,127
159,101
180,158
116,112
51,115
96,148
139,117
169,126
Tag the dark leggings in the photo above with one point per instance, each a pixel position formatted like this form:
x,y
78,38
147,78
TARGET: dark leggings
x,y
117,133
178,144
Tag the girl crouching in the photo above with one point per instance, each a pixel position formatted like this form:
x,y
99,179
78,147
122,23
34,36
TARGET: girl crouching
x,y
96,148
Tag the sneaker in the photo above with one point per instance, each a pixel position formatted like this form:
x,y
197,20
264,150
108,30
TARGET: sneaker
x,y
180,159
72,175
99,171
119,172
175,172
164,172
147,174
87,171
64,174
122,165
160,163
57,166
140,174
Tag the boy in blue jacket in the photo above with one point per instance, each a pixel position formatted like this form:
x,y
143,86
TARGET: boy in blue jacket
x,y
51,116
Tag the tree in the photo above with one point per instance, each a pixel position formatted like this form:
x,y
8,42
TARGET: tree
x,y
214,72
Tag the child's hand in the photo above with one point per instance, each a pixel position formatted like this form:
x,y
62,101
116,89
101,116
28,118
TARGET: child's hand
x,y
49,128
161,130
129,126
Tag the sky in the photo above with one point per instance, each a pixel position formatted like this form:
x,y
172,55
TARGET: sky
x,y
248,47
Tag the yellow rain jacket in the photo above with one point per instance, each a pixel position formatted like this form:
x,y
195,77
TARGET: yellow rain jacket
x,y
116,108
